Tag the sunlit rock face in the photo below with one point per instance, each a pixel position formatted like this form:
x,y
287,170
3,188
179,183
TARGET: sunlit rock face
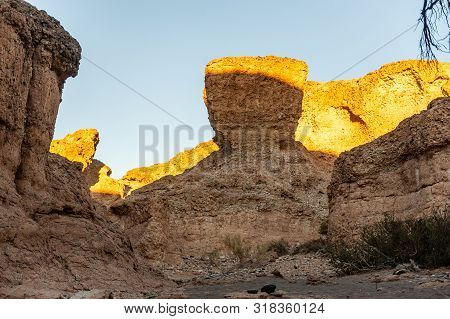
x,y
79,146
260,184
104,188
336,116
138,177
340,115
405,173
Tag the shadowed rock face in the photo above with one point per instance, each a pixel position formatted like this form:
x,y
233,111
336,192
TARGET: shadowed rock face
x,y
252,110
405,173
260,184
37,57
53,239
335,116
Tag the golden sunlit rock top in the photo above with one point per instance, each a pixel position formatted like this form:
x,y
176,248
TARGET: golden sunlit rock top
x,y
336,116
79,146
106,184
142,176
340,115
287,70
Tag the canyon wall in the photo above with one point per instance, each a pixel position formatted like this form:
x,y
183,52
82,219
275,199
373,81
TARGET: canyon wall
x,y
260,185
405,173
54,240
340,115
79,146
336,116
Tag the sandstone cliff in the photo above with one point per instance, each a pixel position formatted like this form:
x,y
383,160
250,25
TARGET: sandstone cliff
x,y
260,184
340,115
53,238
336,116
405,172
139,177
79,146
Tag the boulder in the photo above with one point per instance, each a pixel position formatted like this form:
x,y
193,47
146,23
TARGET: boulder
x,y
405,173
260,185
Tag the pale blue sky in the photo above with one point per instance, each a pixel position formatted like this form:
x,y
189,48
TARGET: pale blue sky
x,y
160,48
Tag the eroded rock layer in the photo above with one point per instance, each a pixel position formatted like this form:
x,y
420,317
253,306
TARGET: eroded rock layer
x,y
79,146
138,177
340,115
405,173
260,184
336,116
53,239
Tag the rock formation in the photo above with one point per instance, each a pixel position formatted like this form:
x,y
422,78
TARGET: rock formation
x,y
79,146
53,239
340,115
336,116
260,184
405,172
103,187
139,177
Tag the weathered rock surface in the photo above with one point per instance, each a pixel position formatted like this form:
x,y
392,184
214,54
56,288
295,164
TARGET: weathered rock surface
x,y
139,177
337,115
79,146
103,187
340,115
260,184
37,57
53,239
405,172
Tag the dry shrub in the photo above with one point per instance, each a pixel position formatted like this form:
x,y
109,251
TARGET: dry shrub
x,y
237,247
425,240
280,247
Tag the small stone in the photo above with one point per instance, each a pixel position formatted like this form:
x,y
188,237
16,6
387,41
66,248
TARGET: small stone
x,y
252,291
270,288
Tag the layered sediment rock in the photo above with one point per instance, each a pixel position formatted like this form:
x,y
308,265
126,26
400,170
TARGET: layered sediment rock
x,y
340,115
53,239
104,188
139,177
79,146
405,173
260,184
336,116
